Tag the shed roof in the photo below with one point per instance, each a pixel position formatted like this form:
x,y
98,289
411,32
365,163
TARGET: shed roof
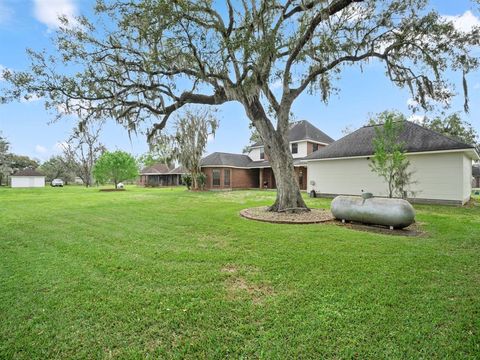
x,y
28,172
414,137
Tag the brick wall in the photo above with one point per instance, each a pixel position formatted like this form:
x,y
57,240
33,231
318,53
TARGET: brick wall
x,y
310,147
249,178
239,178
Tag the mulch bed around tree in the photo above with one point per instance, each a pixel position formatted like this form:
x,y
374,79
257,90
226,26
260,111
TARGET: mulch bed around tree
x,y
310,217
110,190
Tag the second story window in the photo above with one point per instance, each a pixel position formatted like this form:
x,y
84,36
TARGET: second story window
x,y
315,147
262,153
294,148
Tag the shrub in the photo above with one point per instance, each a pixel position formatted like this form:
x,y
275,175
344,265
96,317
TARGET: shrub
x,y
201,180
187,180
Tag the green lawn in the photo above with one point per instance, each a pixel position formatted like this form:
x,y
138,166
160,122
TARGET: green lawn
x,y
171,274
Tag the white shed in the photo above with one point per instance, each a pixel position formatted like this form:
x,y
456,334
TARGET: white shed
x,y
442,167
27,178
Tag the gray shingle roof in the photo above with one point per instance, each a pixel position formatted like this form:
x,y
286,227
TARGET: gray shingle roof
x,y
266,163
28,172
178,170
415,137
304,130
226,159
236,160
158,168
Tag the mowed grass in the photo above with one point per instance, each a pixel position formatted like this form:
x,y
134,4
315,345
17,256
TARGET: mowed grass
x,y
165,273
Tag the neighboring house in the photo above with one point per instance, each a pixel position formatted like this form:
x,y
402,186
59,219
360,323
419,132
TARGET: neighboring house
x,y
27,178
161,175
238,171
442,166
476,175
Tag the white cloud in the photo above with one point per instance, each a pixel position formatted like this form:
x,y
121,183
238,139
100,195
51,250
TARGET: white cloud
x,y
464,22
6,13
417,119
412,103
39,149
48,11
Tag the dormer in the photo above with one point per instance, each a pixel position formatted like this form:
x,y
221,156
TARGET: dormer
x,y
304,138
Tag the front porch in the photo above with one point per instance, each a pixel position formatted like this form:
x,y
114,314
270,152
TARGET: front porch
x,y
267,178
160,180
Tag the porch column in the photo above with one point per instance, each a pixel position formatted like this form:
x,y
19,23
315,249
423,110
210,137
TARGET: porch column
x,y
260,178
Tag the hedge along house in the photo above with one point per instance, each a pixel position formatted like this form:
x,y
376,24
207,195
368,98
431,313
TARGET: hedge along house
x,y
442,167
161,175
27,178
239,171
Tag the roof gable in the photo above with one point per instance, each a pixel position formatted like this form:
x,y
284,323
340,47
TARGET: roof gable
x,y
360,143
158,168
304,130
226,159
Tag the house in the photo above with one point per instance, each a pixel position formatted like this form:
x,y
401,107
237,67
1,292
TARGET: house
x,y
240,171
161,175
476,176
27,178
442,166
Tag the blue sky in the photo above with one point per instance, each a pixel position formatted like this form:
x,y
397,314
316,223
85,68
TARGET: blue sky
x,y
29,24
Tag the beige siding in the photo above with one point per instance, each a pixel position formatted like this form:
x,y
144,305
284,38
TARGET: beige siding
x,y
467,178
254,154
302,149
438,177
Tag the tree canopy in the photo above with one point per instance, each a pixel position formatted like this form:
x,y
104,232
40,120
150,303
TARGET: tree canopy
x,y
193,129
5,163
20,162
453,126
82,149
139,61
115,167
57,167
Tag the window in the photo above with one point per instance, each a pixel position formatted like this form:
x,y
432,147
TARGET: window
x,y
262,153
294,148
226,177
215,177
315,147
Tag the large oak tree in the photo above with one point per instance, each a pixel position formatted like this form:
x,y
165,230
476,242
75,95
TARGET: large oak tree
x,y
138,60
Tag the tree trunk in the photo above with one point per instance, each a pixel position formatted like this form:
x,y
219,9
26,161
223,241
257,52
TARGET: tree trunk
x,y
289,198
277,148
